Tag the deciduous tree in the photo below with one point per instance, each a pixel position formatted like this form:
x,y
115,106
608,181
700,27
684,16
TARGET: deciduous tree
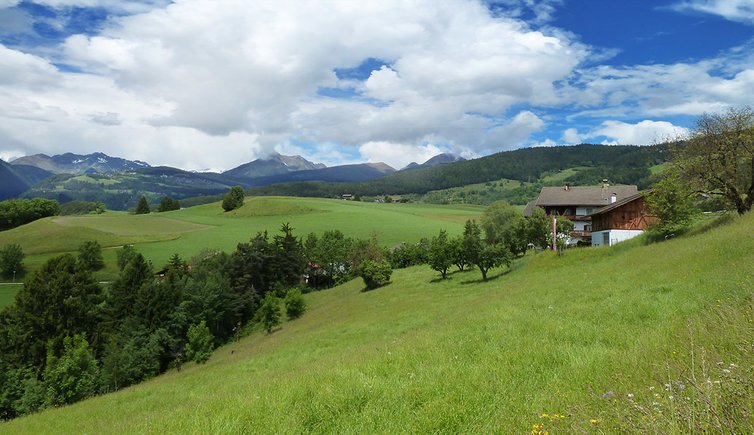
x,y
11,260
90,255
441,253
718,157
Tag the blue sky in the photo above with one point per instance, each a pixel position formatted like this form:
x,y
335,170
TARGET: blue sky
x,y
211,84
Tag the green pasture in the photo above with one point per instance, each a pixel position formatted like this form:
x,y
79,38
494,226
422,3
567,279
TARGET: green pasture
x,y
554,335
188,231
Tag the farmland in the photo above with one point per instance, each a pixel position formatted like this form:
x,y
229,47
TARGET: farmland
x,y
566,342
191,230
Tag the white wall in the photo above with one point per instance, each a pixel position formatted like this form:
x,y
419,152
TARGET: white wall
x,y
613,236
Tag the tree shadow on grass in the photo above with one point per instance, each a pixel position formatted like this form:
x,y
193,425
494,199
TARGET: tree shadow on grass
x,y
367,289
489,277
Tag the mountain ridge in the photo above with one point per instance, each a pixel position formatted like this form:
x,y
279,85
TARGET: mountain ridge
x,y
70,163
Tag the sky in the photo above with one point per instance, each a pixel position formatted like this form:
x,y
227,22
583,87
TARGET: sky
x,y
212,84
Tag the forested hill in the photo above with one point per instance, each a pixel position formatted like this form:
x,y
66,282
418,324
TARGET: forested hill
x,y
620,164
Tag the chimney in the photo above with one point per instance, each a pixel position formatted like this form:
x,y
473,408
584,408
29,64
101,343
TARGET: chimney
x,y
605,183
613,198
566,188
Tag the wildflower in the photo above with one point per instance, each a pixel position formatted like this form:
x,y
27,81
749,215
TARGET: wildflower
x,y
608,394
630,395
595,421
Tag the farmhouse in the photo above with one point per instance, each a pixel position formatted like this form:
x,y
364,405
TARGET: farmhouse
x,y
621,220
578,203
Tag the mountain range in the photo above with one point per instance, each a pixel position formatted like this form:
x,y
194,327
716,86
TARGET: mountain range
x,y
296,176
119,182
70,163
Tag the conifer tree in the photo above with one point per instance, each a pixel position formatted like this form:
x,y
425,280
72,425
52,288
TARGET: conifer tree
x,y
143,206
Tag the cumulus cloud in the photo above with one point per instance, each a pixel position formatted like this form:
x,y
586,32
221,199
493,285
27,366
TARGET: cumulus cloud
x,y
733,10
214,83
708,85
571,136
229,66
642,133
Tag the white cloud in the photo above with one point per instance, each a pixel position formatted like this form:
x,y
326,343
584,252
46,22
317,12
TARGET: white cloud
x,y
215,83
572,136
642,133
661,90
515,133
733,10
254,67
545,143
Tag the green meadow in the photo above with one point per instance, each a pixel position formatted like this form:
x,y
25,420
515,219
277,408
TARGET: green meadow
x,y
599,340
188,231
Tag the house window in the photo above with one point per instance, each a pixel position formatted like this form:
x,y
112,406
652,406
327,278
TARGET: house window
x,y
587,228
589,210
606,238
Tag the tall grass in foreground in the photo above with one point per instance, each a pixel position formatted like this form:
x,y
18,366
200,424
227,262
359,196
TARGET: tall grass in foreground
x,y
556,342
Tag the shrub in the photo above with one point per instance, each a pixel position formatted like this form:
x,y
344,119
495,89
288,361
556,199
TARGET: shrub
x,y
270,312
295,305
199,346
375,274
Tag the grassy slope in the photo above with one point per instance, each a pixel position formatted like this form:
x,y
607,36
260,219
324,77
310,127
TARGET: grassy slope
x,y
458,355
188,231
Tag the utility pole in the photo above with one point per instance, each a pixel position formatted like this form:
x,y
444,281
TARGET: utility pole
x,y
554,233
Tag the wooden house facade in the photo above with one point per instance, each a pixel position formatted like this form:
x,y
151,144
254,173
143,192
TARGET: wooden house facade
x,y
621,220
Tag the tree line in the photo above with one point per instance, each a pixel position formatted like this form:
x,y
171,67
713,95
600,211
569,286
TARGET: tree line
x,y
67,337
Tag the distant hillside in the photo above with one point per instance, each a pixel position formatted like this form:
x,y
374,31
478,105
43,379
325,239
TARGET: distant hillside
x,y
275,164
16,179
70,163
121,191
439,159
619,164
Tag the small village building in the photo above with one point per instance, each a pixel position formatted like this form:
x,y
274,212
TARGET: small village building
x,y
622,220
578,203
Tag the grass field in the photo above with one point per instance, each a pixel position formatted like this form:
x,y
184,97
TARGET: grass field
x,y
190,230
556,343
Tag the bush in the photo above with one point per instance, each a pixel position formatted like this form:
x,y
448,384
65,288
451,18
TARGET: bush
x,y
295,305
270,312
199,346
375,274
